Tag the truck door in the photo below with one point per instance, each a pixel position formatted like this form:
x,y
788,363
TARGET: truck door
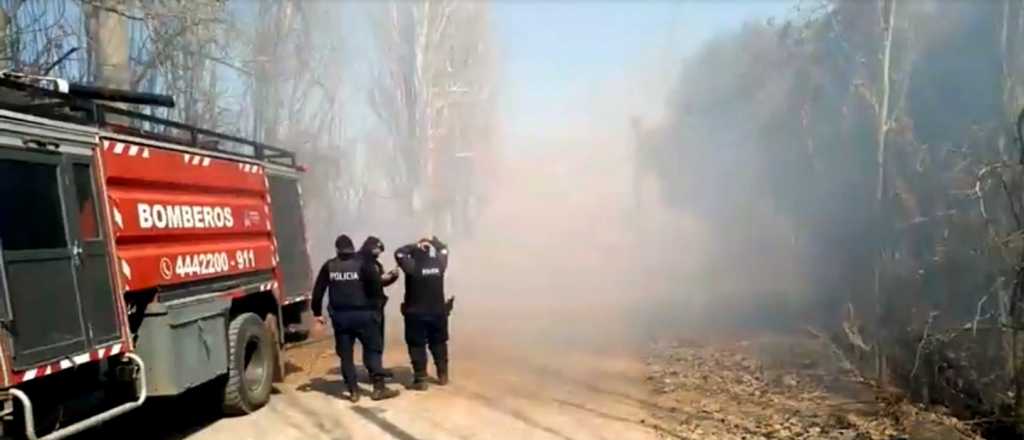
x,y
99,311
54,253
38,257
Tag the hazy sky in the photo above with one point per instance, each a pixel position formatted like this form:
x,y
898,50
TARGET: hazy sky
x,y
565,58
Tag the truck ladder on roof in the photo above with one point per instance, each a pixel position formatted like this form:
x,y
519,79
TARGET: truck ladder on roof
x,y
19,96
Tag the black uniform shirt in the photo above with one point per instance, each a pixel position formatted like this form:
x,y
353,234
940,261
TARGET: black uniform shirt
x,y
424,278
352,284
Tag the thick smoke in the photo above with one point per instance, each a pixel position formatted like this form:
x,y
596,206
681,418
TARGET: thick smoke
x,y
751,202
566,255
771,143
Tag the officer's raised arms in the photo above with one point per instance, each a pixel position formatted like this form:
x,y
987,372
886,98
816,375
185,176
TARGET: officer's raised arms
x,y
433,246
425,309
442,252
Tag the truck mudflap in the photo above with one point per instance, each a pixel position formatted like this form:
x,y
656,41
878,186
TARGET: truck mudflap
x,y
96,420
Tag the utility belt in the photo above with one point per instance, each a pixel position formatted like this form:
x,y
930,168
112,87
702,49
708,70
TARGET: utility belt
x,y
347,308
449,305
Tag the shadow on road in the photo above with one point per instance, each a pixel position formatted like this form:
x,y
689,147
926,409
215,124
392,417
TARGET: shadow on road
x,y
371,416
292,368
333,386
329,387
169,418
403,375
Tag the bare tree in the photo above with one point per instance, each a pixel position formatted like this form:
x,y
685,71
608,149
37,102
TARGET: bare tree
x,y
108,30
899,161
434,99
884,123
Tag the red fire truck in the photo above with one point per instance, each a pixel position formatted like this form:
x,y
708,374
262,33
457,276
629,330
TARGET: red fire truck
x,y
138,257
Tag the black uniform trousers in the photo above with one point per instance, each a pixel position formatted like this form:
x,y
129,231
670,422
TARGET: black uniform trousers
x,y
421,331
364,326
383,304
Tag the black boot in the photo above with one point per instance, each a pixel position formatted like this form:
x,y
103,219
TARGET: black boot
x,y
381,392
419,383
354,394
442,378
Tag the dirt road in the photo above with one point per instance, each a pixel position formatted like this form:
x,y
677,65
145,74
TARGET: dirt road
x,y
758,389
493,396
498,392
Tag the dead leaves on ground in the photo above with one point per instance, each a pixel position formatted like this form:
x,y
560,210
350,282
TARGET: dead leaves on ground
x,y
725,393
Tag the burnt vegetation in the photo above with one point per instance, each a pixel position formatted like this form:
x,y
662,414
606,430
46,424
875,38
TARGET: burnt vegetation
x,y
884,134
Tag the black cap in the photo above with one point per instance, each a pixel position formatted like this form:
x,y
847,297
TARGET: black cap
x,y
371,244
344,245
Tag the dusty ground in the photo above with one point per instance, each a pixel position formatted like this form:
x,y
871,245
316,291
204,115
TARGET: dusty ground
x,y
780,388
751,389
497,392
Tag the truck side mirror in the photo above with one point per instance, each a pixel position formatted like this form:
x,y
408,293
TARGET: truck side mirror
x,y
5,297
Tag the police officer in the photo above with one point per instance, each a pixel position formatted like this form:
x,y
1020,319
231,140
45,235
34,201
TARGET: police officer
x,y
425,310
371,250
354,286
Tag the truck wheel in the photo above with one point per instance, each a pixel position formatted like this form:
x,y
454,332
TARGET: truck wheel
x,y
250,365
275,336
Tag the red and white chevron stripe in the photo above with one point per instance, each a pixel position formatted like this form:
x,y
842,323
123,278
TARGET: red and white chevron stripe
x,y
196,160
63,364
250,168
126,149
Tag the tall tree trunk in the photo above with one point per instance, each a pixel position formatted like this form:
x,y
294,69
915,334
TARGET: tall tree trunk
x,y
1016,321
193,40
889,15
109,36
268,81
1009,85
1009,338
111,40
6,54
11,48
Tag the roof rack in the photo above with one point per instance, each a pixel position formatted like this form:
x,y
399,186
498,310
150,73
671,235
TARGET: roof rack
x,y
20,96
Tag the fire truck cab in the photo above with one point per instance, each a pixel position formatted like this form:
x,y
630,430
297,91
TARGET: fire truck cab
x,y
138,257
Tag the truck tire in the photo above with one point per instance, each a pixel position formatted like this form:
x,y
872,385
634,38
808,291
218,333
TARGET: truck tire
x,y
250,365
